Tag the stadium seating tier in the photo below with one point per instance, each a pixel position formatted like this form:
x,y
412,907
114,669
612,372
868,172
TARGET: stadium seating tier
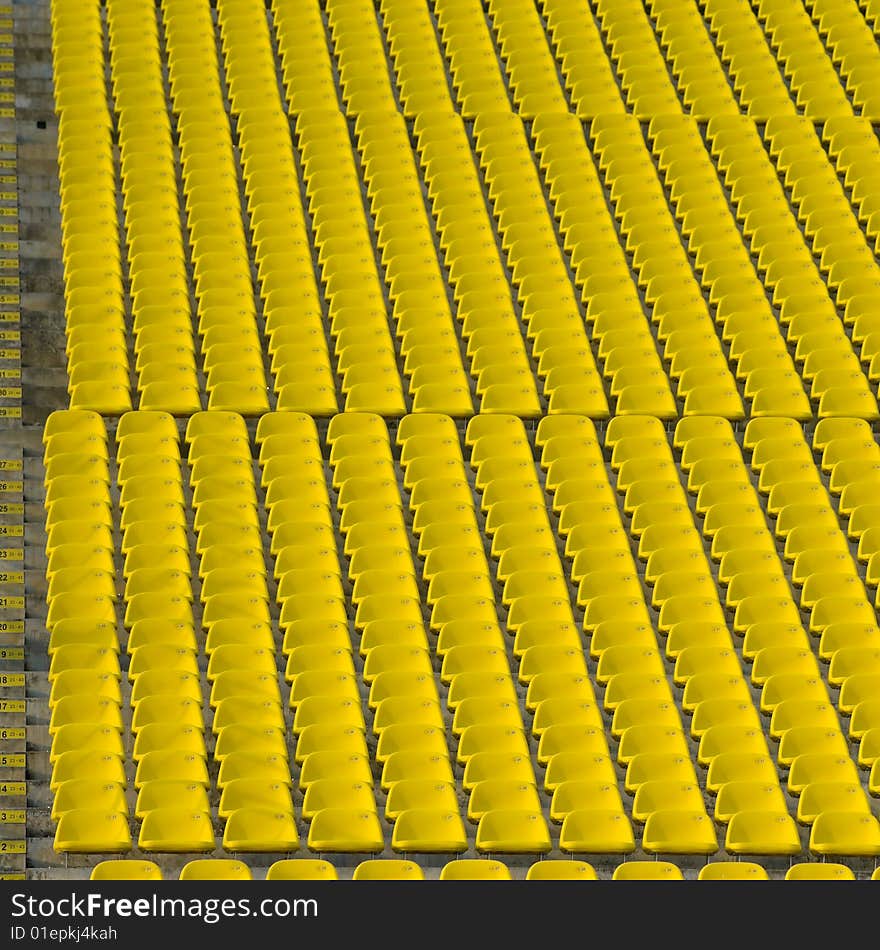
x,y
469,458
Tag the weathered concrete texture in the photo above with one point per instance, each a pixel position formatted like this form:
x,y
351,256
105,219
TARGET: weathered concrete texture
x,y
44,365
43,360
35,183
40,377
31,232
30,441
44,382
39,828
42,277
35,160
37,212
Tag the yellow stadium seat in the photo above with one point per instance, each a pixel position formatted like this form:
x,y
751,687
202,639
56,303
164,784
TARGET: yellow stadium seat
x,y
665,795
82,793
658,766
813,871
512,831
475,869
332,793
845,833
733,766
388,870
597,832
344,830
429,830
409,794
254,829
557,870
215,869
176,830
647,871
126,870
732,871
810,767
747,795
301,869
93,831
762,833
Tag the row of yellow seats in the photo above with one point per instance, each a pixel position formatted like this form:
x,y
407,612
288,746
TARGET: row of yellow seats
x,y
473,61
580,773
77,28
498,774
694,65
638,63
159,290
364,348
742,311
398,666
94,313
419,69
852,147
84,675
627,351
85,649
484,308
161,321
531,69
292,313
433,362
751,65
306,72
732,750
285,271
94,303
465,869
234,374
849,40
838,244
537,269
661,265
329,726
803,60
77,492
811,745
822,348
364,81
